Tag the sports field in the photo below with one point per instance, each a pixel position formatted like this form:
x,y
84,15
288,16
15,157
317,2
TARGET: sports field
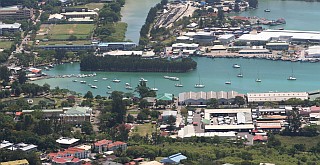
x,y
64,31
5,44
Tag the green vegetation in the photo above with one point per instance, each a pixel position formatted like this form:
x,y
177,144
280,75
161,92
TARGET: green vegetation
x,y
143,129
135,64
120,30
91,6
5,44
64,31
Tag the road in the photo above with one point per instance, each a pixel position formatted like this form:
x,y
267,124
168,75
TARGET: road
x,y
197,118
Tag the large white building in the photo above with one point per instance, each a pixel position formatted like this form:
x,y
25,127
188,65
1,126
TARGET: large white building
x,y
9,28
276,96
313,52
201,98
91,14
282,35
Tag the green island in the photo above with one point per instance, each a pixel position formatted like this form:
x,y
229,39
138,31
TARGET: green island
x,y
136,64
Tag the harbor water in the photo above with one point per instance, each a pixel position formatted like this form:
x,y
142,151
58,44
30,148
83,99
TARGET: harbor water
x,y
213,73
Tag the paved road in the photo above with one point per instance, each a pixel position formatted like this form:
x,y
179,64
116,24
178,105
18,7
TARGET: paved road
x,y
197,118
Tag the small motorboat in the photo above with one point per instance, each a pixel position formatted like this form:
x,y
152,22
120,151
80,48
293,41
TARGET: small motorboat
x,y
109,87
116,80
228,82
292,78
258,80
178,85
154,89
267,10
75,80
129,87
95,80
104,78
143,80
236,66
94,87
83,82
199,85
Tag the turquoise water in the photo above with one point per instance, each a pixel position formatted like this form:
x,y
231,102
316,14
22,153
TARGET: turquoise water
x,y
134,13
212,72
299,15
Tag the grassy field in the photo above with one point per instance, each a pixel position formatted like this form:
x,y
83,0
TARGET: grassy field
x,y
64,31
5,44
120,33
291,140
78,42
143,129
91,6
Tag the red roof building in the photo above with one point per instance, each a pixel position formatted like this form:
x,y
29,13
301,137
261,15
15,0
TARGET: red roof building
x,y
260,138
70,160
102,145
118,144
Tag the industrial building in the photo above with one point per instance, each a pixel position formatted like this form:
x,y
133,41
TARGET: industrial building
x,y
276,96
201,98
9,28
293,36
226,38
313,52
116,46
91,14
277,46
15,13
223,120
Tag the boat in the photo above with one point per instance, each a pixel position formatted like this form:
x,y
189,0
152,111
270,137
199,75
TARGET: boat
x,y
109,92
127,84
94,74
94,87
166,77
129,87
154,89
258,80
74,80
116,80
292,78
228,82
236,66
104,78
50,66
174,78
179,85
267,10
143,80
95,80
199,85
83,82
109,87
89,84
240,75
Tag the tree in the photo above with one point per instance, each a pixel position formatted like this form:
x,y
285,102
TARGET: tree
x,y
4,73
239,100
220,14
87,128
88,95
72,38
43,103
236,8
294,101
130,118
294,120
143,103
253,3
144,91
118,106
213,103
22,78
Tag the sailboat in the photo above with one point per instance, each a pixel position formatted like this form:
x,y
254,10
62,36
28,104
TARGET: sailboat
x,y
154,86
128,86
240,75
178,85
292,76
199,85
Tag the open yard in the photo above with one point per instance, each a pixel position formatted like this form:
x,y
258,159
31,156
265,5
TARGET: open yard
x,y
91,6
64,31
5,44
291,140
120,31
143,129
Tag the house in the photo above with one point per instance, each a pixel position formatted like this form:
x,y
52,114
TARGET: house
x,y
173,159
101,145
117,145
16,162
9,28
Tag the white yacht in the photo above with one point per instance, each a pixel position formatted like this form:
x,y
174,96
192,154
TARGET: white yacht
x,y
143,80
178,85
292,78
94,87
104,78
83,82
116,80
129,87
95,80
240,75
174,78
258,80
109,87
166,77
75,80
127,84
228,82
154,89
199,86
236,66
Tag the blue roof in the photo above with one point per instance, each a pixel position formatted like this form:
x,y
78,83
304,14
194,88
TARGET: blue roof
x,y
107,43
176,158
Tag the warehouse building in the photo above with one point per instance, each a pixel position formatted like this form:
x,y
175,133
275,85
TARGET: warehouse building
x,y
276,96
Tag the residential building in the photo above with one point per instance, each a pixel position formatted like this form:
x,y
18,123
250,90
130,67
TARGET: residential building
x,y
20,146
9,28
15,13
70,160
277,46
275,96
224,120
101,145
117,145
116,46
91,14
16,162
71,152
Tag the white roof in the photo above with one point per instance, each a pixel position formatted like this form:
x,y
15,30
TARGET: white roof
x,y
207,112
313,50
229,127
80,13
8,26
85,147
269,34
183,38
226,36
169,113
275,96
123,53
68,141
5,144
178,45
55,16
